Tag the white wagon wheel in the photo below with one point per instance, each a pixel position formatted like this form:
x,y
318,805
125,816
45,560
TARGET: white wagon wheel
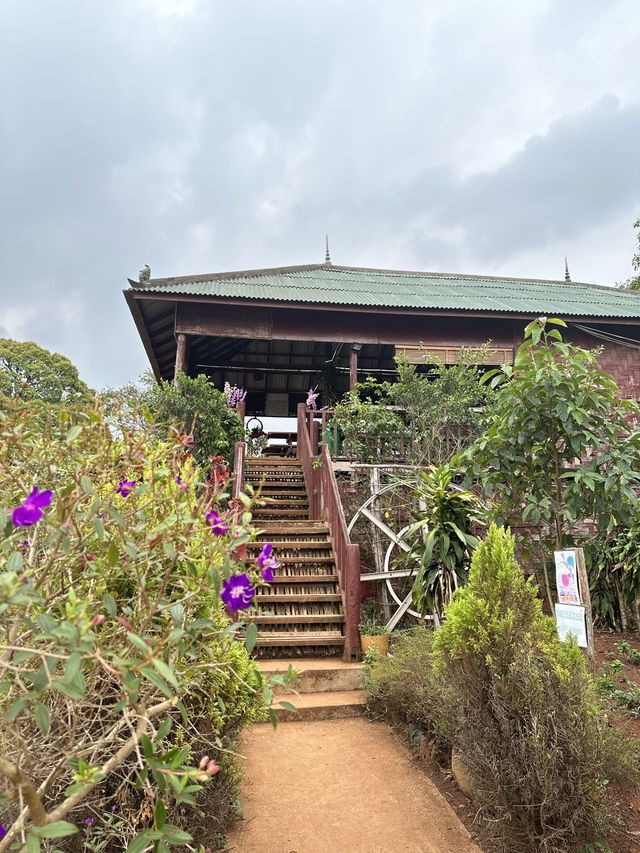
x,y
388,574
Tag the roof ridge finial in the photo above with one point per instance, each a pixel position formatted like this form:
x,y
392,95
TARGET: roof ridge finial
x,y
327,256
567,277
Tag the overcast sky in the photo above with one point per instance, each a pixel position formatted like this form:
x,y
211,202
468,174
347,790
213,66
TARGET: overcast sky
x,y
208,135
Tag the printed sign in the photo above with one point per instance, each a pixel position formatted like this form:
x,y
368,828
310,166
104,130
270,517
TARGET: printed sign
x,y
567,577
571,620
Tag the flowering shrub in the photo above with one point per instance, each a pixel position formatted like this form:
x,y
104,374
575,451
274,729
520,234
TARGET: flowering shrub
x,y
122,688
199,411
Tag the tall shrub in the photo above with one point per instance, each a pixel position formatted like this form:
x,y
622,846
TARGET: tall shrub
x,y
195,407
119,671
523,711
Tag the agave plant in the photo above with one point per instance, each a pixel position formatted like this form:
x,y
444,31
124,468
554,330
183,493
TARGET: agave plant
x,y
441,538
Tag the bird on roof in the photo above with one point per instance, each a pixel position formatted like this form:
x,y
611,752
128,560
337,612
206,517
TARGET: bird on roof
x,y
145,273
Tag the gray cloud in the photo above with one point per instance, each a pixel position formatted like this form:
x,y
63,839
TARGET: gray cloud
x,y
198,136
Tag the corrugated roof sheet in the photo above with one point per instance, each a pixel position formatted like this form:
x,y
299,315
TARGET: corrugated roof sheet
x,y
337,285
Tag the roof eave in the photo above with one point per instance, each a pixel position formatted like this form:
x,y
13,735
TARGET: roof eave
x,y
138,319
390,309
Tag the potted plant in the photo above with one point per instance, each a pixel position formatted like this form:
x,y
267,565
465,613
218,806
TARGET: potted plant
x,y
373,634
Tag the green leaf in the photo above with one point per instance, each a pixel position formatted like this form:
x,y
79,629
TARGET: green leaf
x,y
251,637
176,835
116,516
33,844
166,672
87,485
170,550
110,605
58,829
144,840
112,554
42,717
14,563
288,706
160,814
73,433
138,642
17,708
150,674
69,688
72,668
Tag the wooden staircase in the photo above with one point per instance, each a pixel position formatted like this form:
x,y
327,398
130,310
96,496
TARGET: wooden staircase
x,y
301,613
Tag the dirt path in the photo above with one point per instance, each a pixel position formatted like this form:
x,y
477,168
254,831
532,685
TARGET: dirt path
x,y
340,786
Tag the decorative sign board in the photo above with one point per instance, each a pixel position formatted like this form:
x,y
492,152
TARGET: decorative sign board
x,y
570,619
567,577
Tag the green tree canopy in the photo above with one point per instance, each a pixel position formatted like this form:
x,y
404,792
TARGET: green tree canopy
x,y
558,450
29,372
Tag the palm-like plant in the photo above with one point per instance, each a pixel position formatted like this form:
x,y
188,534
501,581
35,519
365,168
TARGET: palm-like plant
x,y
442,541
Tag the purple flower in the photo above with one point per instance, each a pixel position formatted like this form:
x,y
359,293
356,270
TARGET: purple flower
x,y
3,831
237,593
233,394
312,396
267,563
125,487
31,510
114,808
182,484
24,544
90,821
216,523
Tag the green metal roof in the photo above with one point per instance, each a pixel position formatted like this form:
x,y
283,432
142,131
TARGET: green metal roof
x,y
338,285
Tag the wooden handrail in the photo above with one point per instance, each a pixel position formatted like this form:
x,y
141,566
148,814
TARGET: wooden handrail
x,y
347,554
304,453
324,502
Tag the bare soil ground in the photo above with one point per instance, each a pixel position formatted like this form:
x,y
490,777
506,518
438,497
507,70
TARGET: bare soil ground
x,y
607,651
340,785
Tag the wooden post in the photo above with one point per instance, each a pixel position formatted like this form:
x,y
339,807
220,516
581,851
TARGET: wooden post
x,y
353,366
181,355
585,595
378,547
352,594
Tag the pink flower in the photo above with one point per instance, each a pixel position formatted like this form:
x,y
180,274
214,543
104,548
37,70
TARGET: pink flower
x,y
312,396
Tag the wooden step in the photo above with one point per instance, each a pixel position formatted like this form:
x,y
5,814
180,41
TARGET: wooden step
x,y
320,706
284,501
315,675
279,513
250,461
302,619
305,561
277,488
297,597
296,527
290,545
306,638
284,579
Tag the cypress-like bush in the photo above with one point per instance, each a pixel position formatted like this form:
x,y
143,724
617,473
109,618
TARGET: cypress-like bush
x,y
524,713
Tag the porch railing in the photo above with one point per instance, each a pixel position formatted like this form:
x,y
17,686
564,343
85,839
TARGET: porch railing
x,y
325,504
